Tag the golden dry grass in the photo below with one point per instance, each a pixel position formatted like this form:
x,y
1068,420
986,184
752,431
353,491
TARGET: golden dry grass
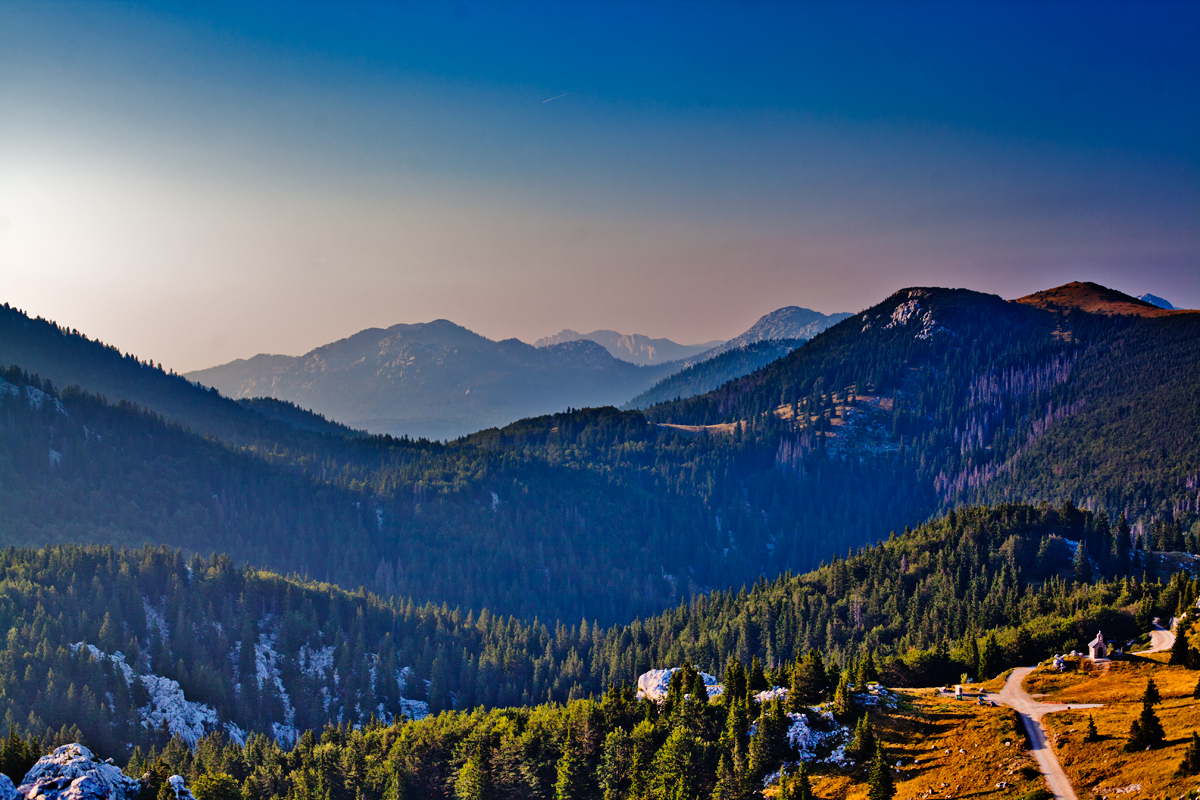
x,y
948,749
1099,769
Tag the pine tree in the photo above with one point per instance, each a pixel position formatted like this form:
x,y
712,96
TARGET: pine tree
x,y
1191,756
1146,731
1179,650
1152,695
756,681
729,784
801,789
879,777
1081,568
735,682
868,673
863,743
1091,734
989,659
472,780
572,777
843,700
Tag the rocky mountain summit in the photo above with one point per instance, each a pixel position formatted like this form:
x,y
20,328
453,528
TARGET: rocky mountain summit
x,y
789,322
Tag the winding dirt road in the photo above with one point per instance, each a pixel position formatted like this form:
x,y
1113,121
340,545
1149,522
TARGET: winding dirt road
x,y
1031,711
1161,639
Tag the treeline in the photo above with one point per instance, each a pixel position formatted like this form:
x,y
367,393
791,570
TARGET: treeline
x,y
268,653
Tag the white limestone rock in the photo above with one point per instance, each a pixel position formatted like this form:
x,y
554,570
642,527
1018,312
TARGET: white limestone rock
x,y
71,772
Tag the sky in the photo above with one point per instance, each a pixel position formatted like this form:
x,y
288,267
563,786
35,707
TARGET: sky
x,y
199,182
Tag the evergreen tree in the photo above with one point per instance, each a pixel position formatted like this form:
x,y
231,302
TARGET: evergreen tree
x,y
472,781
808,682
756,680
1191,756
1152,696
843,700
218,786
801,788
1146,731
868,672
677,772
615,763
863,743
1091,734
729,784
990,662
1081,569
1179,650
572,777
735,682
879,777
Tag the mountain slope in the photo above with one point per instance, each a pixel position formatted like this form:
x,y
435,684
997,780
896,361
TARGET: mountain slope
x,y
1093,298
70,358
213,647
713,372
634,348
928,400
789,322
435,380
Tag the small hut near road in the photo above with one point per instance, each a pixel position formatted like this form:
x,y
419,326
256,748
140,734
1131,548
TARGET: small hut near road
x,y
1098,648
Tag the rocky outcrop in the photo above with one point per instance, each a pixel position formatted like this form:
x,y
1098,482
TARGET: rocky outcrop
x,y
71,772
182,792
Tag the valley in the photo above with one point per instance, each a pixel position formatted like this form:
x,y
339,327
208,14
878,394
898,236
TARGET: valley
x,y
901,492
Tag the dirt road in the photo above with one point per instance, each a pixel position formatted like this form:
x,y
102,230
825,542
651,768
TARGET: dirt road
x,y
1161,639
1031,711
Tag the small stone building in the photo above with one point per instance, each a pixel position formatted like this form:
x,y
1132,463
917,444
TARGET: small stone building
x,y
1097,648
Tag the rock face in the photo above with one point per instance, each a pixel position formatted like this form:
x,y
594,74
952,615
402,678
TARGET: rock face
x,y
71,772
653,685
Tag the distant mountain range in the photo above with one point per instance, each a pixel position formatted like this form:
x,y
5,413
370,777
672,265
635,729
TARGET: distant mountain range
x,y
634,347
435,379
1155,300
439,380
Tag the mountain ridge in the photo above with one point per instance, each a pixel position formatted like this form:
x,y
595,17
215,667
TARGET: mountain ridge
x,y
436,379
635,348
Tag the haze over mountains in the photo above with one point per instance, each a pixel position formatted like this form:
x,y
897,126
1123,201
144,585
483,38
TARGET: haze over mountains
x,y
641,526
609,514
435,380
439,380
634,348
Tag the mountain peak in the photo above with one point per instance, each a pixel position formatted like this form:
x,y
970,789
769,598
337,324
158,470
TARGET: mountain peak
x,y
1155,300
633,347
1092,298
789,322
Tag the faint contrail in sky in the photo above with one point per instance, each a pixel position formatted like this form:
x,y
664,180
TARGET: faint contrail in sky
x,y
548,99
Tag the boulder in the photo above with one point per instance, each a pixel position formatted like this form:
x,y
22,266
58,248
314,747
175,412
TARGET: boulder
x,y
182,792
71,772
7,790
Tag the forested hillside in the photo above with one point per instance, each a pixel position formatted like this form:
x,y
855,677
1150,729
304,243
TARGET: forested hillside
x,y
980,590
714,372
932,399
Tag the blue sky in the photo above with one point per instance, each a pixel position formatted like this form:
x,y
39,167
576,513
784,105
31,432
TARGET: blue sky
x,y
198,182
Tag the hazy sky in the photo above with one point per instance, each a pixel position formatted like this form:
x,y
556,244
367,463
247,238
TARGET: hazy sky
x,y
201,182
